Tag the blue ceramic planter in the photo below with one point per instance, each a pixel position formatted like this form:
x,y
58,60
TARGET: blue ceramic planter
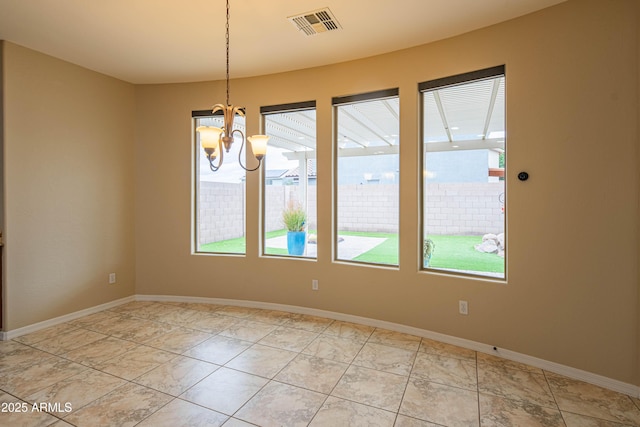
x,y
296,241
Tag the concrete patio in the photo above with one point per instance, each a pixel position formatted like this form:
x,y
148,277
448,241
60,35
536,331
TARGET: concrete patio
x,y
349,248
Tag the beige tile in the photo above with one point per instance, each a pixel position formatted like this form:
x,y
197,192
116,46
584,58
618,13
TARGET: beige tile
x,y
262,360
177,375
491,361
143,330
99,351
497,411
210,322
340,412
237,311
395,339
516,384
218,349
18,413
308,323
440,404
131,307
334,348
281,405
370,387
11,347
585,399
350,331
234,422
179,413
67,341
404,421
88,322
575,420
446,370
135,362
16,357
179,317
448,350
385,358
61,423
246,330
25,381
124,407
442,388
200,306
77,391
273,317
312,373
46,333
225,390
154,311
178,340
116,324
289,339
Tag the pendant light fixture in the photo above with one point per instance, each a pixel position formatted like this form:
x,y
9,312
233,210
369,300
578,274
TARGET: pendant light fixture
x,y
215,141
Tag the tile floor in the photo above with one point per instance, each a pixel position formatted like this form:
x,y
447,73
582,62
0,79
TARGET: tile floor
x,y
188,364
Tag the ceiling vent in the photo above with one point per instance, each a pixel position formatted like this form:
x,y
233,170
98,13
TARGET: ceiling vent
x,y
315,22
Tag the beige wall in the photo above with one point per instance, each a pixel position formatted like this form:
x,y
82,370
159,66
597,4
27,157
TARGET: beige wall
x,y
571,295
68,175
573,235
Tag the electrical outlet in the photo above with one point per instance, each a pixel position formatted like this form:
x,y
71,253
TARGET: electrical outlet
x,y
314,285
112,278
463,307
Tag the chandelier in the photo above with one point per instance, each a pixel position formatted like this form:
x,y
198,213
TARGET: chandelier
x,y
215,141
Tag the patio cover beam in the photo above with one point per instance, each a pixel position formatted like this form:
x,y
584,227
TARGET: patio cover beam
x,y
474,144
492,104
431,147
364,125
443,116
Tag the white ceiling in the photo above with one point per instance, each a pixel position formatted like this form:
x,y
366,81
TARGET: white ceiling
x,y
166,41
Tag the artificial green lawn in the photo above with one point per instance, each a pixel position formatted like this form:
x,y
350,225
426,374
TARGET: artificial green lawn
x,y
451,252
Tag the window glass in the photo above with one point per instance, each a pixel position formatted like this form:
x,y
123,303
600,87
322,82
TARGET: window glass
x,y
290,220
368,172
463,177
220,195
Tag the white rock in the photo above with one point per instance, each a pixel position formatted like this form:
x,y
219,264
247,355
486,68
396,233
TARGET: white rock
x,y
487,246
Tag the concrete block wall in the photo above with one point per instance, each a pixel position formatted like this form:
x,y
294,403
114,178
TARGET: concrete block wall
x,y
221,211
372,208
464,208
451,208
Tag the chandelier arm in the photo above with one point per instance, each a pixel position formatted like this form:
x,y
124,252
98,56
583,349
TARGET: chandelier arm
x,y
240,153
213,167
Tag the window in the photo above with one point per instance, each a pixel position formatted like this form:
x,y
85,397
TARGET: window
x,y
367,181
290,220
463,192
220,195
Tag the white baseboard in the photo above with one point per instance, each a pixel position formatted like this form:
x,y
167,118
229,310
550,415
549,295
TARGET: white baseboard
x,y
8,335
595,379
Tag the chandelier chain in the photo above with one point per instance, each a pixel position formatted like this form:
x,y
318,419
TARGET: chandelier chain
x,y
227,40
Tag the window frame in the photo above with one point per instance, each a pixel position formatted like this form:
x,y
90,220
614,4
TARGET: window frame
x,y
441,83
266,111
336,102
195,116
